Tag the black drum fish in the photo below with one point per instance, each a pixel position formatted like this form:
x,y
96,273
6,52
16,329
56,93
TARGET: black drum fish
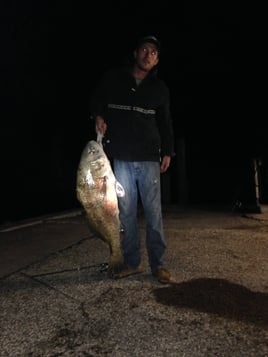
x,y
97,190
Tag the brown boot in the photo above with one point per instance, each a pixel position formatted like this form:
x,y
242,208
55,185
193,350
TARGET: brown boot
x,y
125,271
162,275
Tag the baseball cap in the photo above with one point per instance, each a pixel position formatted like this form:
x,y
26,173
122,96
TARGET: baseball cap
x,y
150,39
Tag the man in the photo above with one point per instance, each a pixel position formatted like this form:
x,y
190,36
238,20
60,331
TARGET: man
x,y
131,107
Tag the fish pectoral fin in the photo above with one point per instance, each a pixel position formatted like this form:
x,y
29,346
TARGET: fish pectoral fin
x,y
119,189
104,187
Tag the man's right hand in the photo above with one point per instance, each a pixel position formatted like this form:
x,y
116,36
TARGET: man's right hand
x,y
100,125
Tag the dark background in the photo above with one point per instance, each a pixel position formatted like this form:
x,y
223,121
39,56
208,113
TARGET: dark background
x,y
213,60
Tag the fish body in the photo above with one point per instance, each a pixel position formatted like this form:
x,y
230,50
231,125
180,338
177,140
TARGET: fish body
x,y
97,190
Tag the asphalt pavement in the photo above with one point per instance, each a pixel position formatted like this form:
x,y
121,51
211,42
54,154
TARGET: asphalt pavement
x,y
57,300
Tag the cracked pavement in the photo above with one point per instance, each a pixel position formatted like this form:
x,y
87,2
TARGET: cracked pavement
x,y
57,300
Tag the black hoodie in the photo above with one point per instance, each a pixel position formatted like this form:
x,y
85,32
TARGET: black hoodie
x,y
139,124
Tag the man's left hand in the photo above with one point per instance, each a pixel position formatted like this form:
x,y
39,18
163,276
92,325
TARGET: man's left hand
x,y
165,162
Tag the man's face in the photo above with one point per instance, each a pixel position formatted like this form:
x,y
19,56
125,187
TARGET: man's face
x,y
146,56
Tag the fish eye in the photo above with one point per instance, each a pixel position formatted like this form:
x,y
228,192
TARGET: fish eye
x,y
91,150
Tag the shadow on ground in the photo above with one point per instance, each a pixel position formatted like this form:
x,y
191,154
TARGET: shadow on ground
x,y
219,297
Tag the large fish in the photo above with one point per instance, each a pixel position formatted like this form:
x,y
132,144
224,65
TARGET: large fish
x,y
97,190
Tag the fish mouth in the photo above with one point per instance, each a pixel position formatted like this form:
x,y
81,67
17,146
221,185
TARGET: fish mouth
x,y
95,162
98,166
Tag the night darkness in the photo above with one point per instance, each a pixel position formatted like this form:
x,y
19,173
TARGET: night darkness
x,y
213,61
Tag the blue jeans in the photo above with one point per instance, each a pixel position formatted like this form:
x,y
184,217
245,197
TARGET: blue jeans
x,y
142,177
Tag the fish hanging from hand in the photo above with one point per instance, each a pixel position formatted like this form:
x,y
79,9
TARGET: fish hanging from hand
x,y
97,190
